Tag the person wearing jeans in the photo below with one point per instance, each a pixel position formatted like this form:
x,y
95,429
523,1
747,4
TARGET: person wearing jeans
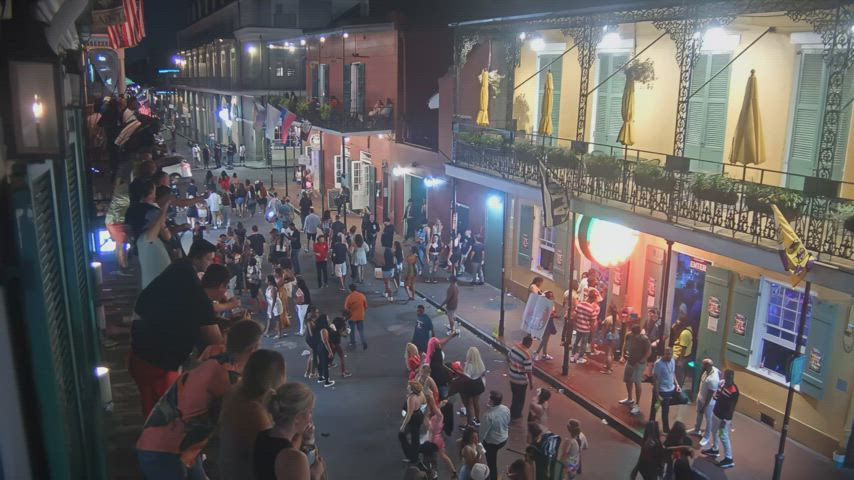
x,y
494,431
585,314
725,400
356,304
520,366
665,386
709,383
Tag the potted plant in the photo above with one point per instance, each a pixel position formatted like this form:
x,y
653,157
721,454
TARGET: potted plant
x,y
526,152
562,158
325,112
715,188
641,71
649,174
759,198
302,108
844,212
603,166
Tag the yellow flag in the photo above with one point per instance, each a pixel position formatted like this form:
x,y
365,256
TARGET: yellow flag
x,y
796,259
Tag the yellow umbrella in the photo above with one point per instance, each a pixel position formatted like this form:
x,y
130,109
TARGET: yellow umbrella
x,y
747,144
546,108
628,112
483,113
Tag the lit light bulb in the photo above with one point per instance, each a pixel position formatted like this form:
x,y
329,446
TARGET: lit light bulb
x,y
322,39
522,36
302,42
251,50
38,108
346,35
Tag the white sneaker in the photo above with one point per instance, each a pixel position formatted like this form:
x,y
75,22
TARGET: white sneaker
x,y
635,410
626,401
704,441
581,361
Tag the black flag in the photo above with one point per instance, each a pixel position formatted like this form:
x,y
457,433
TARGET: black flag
x,y
555,199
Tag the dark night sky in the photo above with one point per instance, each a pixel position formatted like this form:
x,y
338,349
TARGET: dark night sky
x,y
163,19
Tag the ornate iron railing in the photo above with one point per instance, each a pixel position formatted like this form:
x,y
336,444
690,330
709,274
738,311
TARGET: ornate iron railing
x,y
730,201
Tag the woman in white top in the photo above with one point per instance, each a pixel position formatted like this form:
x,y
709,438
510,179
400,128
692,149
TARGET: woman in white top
x,y
153,256
274,306
570,450
360,257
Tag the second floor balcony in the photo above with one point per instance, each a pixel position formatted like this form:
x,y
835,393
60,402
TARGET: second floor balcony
x,y
335,116
732,201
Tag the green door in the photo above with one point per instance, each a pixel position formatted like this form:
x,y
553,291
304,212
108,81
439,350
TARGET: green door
x,y
707,111
609,101
741,320
819,346
807,116
417,192
710,337
557,73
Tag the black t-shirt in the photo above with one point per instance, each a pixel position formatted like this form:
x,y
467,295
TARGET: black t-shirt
x,y
304,206
338,227
257,241
370,230
136,217
388,236
339,253
477,253
388,260
172,309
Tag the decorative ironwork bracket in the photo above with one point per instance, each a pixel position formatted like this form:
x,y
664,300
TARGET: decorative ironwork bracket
x,y
465,45
587,37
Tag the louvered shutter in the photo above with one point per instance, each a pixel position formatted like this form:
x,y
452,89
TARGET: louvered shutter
x,y
609,99
707,113
347,85
361,97
806,120
315,81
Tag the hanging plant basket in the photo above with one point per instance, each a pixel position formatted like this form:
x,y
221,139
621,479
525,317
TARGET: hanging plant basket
x,y
759,198
715,188
605,167
526,152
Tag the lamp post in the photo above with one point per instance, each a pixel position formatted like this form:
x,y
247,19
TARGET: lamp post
x,y
503,201
567,331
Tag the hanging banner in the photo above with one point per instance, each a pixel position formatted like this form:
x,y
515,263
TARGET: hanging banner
x,y
536,315
107,12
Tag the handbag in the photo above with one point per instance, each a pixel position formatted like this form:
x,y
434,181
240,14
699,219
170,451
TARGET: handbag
x,y
679,398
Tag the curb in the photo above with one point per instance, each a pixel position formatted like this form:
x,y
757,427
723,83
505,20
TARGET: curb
x,y
612,421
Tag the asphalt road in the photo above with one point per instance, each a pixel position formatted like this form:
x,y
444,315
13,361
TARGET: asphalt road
x,y
358,419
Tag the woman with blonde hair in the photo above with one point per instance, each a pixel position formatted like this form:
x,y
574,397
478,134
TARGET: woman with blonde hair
x,y
287,450
244,413
472,385
413,359
412,421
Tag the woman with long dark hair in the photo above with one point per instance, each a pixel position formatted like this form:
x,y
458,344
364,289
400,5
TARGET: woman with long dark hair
x,y
412,420
323,350
650,461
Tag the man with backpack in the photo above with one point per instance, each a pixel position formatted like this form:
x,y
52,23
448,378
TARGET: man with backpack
x,y
544,447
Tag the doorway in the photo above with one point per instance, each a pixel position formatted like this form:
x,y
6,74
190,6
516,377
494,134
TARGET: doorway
x,y
415,190
462,219
688,281
360,174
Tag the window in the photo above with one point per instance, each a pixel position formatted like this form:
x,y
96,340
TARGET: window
x,y
609,100
704,133
807,112
777,328
546,251
280,71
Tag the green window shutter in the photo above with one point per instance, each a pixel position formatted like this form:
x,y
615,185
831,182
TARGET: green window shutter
x,y
609,99
315,81
806,120
526,236
361,98
844,126
712,328
822,323
325,77
741,320
347,81
707,118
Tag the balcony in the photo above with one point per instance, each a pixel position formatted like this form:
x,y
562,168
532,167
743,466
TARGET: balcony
x,y
338,120
295,82
733,203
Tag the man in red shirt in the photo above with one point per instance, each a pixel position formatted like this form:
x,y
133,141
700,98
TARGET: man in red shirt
x,y
356,304
321,251
585,315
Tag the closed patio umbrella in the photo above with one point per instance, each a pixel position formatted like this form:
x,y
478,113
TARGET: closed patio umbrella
x,y
747,143
483,113
545,127
628,113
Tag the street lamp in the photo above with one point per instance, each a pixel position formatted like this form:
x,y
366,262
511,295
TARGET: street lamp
x,y
495,202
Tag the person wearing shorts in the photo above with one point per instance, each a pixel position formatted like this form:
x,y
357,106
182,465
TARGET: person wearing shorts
x,y
115,220
637,352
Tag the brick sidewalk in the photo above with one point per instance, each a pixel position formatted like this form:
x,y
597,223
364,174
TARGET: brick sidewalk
x,y
755,444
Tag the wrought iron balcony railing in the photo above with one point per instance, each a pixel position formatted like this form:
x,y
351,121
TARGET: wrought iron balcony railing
x,y
728,200
345,122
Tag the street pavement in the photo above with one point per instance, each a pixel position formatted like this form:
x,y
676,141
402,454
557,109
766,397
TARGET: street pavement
x,y
358,418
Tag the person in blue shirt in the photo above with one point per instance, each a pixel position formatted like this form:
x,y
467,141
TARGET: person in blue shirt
x,y
664,378
423,329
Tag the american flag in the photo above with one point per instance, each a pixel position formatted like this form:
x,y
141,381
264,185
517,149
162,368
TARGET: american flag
x,y
130,32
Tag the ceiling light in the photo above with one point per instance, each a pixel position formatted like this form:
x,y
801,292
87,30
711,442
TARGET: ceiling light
x,y
346,35
522,36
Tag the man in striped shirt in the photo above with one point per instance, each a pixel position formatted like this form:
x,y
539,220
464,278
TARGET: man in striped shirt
x,y
585,314
520,367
